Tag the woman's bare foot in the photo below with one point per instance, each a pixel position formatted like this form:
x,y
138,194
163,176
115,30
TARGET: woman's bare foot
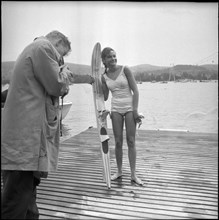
x,y
137,180
116,176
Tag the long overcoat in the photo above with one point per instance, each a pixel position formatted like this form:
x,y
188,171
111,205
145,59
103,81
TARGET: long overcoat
x,y
30,119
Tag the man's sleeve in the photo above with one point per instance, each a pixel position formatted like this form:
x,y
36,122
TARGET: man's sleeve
x,y
46,70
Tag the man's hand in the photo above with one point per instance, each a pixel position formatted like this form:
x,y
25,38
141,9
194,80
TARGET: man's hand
x,y
66,73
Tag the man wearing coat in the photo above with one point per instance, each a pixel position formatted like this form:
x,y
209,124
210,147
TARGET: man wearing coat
x,y
30,123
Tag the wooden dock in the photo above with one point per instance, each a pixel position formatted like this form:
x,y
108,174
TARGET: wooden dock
x,y
179,169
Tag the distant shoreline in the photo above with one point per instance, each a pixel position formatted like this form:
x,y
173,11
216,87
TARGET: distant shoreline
x,y
142,73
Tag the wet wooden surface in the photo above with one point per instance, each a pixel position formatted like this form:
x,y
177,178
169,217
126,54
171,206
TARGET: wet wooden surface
x,y
179,170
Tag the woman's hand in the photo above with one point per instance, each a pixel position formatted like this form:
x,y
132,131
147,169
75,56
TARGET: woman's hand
x,y
138,117
91,79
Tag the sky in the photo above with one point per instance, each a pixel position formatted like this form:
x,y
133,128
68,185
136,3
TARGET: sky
x,y
155,33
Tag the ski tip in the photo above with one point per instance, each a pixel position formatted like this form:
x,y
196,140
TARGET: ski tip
x,y
98,44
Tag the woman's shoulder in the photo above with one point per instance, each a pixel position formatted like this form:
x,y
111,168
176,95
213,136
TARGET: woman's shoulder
x,y
127,69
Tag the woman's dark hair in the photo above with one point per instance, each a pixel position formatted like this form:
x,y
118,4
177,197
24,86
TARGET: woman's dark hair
x,y
106,51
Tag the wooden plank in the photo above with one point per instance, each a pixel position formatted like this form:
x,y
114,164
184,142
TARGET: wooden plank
x,y
166,180
180,171
142,204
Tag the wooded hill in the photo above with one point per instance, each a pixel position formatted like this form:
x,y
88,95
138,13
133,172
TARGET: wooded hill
x,y
179,72
144,72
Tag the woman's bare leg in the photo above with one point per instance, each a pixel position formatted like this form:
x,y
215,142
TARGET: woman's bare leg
x,y
117,124
130,137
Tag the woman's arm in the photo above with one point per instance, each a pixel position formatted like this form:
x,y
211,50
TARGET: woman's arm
x,y
105,88
134,88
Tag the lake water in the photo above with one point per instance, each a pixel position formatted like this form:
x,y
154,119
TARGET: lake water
x,y
190,106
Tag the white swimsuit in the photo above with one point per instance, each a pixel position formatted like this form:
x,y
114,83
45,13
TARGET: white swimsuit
x,y
122,98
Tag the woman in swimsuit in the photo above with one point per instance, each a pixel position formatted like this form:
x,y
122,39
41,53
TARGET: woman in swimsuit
x,y
124,108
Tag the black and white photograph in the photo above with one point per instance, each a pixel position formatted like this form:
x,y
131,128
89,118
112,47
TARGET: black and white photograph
x,y
109,110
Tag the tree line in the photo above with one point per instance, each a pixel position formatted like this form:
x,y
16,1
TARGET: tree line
x,y
177,73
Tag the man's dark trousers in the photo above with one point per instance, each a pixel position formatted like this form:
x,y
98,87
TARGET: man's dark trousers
x,y
19,195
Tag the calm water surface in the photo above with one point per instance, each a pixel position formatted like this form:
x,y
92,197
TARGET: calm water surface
x,y
179,106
